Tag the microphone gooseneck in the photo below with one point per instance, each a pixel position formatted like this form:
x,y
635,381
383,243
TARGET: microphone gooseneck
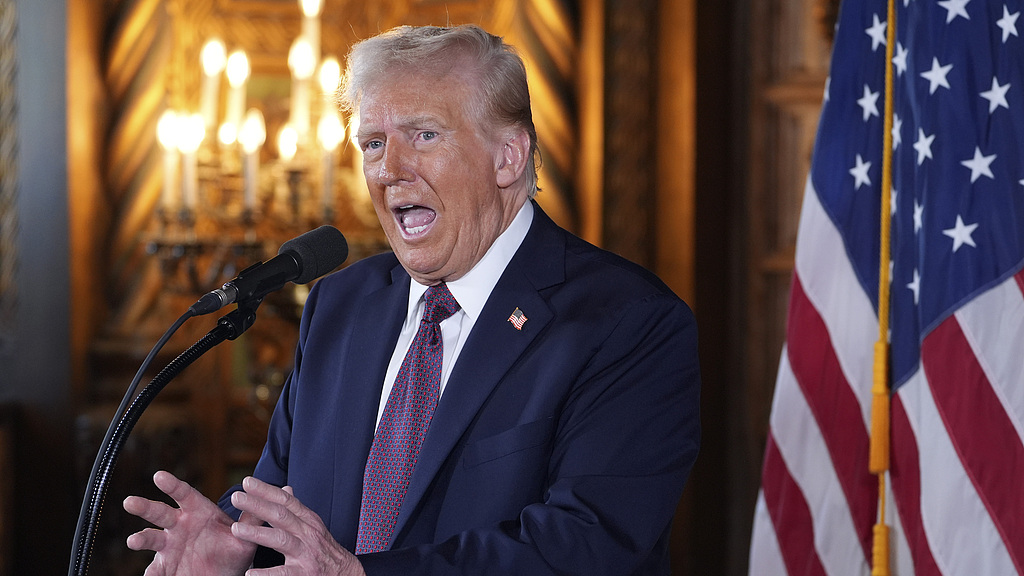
x,y
299,260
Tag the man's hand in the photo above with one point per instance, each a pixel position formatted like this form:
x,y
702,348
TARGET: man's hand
x,y
295,531
194,538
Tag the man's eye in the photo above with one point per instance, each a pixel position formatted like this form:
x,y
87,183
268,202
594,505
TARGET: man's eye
x,y
374,145
428,135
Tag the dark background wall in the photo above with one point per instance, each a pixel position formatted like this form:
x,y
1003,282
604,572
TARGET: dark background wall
x,y
34,366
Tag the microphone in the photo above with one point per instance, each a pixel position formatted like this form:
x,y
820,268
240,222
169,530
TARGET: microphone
x,y
299,260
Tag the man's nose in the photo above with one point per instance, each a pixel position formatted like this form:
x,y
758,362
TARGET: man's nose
x,y
395,165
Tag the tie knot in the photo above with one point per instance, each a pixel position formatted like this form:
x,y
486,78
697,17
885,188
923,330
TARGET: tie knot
x,y
440,303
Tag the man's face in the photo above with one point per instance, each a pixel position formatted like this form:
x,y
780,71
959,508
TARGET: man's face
x,y
431,167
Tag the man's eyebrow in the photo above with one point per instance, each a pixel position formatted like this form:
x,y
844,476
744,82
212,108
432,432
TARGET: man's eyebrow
x,y
411,123
424,120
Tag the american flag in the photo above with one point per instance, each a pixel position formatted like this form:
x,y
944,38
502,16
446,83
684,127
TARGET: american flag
x,y
517,318
955,489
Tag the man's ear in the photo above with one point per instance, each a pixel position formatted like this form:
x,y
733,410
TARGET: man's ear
x,y
515,156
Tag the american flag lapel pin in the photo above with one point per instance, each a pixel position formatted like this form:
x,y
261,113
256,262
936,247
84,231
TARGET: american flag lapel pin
x,y
517,318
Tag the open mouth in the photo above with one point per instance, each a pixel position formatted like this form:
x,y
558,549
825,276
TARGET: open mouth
x,y
414,220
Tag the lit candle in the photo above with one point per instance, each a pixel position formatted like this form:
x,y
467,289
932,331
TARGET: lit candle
x,y
287,143
330,76
167,135
311,25
251,136
303,65
214,58
329,133
190,137
238,75
227,134
287,146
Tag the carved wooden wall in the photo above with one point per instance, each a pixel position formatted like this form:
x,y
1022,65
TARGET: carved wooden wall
x,y
790,51
630,69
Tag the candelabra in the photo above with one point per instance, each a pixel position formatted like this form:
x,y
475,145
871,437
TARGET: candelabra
x,y
226,198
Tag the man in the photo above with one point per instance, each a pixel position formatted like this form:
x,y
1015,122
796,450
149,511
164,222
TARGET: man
x,y
559,420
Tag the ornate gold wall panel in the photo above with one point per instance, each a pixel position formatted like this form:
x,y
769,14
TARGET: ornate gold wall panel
x,y
137,48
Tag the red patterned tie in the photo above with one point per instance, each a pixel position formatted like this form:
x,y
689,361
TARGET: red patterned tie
x,y
403,426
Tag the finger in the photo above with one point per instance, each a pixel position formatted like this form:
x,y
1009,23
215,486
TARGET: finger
x,y
282,496
265,510
156,513
269,492
268,537
178,490
148,539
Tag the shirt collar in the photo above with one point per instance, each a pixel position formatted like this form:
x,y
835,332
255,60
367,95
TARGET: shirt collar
x,y
472,290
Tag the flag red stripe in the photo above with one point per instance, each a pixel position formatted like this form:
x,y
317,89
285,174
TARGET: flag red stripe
x,y
835,408
1020,280
905,476
794,528
981,432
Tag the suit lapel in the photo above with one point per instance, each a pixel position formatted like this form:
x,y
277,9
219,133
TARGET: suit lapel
x,y
374,330
491,350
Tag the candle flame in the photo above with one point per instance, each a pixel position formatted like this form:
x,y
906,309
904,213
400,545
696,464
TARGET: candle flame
x,y
301,59
330,75
167,130
311,8
330,132
287,142
213,57
238,68
253,132
191,130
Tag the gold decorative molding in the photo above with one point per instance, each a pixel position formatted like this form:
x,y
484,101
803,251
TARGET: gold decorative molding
x,y
542,31
630,84
828,16
139,49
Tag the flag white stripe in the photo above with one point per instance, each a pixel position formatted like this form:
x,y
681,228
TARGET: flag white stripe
x,y
765,555
804,451
993,324
962,537
832,286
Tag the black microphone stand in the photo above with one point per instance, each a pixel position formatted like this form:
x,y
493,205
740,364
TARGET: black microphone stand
x,y
229,327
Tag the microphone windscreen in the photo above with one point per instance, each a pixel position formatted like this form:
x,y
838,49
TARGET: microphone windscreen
x,y
318,252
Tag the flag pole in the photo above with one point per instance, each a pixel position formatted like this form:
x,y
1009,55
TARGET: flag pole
x,y
878,458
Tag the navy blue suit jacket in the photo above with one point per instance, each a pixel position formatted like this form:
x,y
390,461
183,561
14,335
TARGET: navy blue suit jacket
x,y
559,448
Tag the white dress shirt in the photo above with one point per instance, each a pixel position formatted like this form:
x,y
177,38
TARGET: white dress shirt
x,y
471,292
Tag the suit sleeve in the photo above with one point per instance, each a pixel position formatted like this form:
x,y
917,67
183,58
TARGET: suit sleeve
x,y
626,440
273,463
